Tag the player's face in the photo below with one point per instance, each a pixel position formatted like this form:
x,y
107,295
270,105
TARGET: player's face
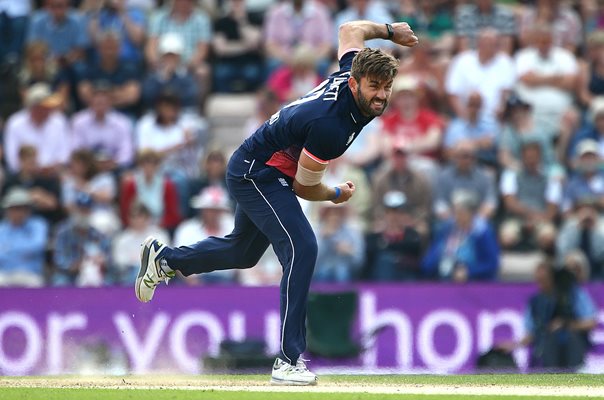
x,y
373,96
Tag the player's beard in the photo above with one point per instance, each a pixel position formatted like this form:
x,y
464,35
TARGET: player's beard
x,y
366,104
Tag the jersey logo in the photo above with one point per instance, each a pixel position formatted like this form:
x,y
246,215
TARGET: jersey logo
x,y
350,138
283,182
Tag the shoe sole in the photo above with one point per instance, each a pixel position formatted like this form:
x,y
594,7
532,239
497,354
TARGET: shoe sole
x,y
279,382
144,256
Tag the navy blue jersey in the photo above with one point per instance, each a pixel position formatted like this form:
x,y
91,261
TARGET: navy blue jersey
x,y
323,124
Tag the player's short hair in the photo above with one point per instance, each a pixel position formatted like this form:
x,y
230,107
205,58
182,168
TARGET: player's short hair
x,y
374,63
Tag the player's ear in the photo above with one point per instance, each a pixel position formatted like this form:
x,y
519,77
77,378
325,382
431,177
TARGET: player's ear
x,y
353,84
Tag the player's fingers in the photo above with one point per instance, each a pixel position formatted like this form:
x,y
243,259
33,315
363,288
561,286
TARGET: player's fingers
x,y
350,184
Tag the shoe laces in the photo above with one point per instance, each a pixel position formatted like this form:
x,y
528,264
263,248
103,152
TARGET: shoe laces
x,y
166,276
301,365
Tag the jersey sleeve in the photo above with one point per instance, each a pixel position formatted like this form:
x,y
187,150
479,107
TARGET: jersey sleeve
x,y
320,144
346,59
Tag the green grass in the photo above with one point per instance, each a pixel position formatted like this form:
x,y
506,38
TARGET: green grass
x,y
124,394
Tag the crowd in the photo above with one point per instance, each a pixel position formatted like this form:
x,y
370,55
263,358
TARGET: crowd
x,y
493,141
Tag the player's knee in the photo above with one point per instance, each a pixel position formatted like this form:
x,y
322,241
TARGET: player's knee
x,y
308,245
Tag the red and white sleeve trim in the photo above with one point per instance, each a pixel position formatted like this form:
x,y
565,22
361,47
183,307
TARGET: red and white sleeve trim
x,y
315,158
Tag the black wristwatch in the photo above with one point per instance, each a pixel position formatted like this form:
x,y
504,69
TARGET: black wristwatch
x,y
390,31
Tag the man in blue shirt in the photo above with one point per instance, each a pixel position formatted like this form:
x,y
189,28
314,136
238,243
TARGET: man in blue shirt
x,y
287,157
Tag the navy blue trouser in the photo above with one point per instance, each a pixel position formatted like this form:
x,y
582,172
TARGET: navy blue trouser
x,y
268,212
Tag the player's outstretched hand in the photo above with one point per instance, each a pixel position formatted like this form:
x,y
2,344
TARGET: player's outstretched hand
x,y
346,192
403,35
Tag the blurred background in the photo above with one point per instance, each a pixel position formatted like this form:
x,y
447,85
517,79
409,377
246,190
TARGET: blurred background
x,y
475,238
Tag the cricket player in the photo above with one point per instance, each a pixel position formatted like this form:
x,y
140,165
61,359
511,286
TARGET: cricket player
x,y
287,157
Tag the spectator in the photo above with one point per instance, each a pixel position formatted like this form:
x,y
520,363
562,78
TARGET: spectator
x,y
170,74
294,23
464,248
38,67
476,128
126,21
593,129
62,29
557,321
371,10
40,126
341,245
213,173
547,78
13,25
394,250
587,179
122,76
465,175
267,104
480,14
591,70
23,241
149,186
520,127
292,81
237,42
125,256
418,129
568,29
81,253
426,17
531,200
194,26
103,130
577,263
584,230
399,176
214,218
485,70
44,191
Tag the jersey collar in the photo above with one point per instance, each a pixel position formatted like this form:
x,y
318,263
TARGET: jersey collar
x,y
355,112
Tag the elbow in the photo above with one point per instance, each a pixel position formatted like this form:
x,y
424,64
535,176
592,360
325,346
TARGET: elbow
x,y
347,30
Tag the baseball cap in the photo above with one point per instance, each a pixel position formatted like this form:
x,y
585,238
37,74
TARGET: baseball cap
x,y
396,200
587,146
213,197
40,94
171,43
17,197
596,107
405,83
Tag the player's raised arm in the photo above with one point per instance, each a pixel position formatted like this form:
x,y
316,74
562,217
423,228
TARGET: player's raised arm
x,y
352,35
308,186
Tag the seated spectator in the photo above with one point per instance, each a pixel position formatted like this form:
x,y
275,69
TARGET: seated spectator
x,y
568,32
474,127
64,31
477,15
298,23
213,173
296,78
149,186
576,262
13,25
464,174
103,130
395,248
81,253
126,21
469,71
584,230
237,45
436,23
40,126
593,129
214,218
557,321
371,10
531,200
122,76
591,70
418,129
125,255
267,104
44,191
341,246
194,26
399,176
547,77
24,239
519,127
85,177
587,179
171,75
464,248
39,67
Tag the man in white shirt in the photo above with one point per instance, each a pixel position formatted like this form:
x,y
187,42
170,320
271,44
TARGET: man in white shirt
x,y
40,125
547,76
486,71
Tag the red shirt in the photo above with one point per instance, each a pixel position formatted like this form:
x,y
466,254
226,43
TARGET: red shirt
x,y
399,128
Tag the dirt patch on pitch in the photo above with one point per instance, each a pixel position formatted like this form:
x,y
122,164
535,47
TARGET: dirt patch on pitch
x,y
201,384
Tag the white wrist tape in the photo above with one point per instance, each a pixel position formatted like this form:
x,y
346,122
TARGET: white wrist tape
x,y
307,177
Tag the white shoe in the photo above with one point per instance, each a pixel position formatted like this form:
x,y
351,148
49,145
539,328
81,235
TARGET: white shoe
x,y
286,374
150,273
